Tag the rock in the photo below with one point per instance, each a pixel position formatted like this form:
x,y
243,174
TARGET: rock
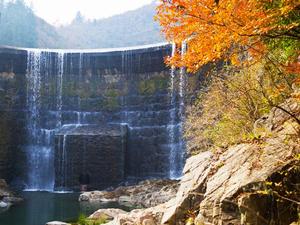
x,y
147,193
3,184
149,221
4,204
4,189
99,196
108,214
7,197
150,216
200,220
84,197
261,126
124,199
57,223
278,117
12,199
192,185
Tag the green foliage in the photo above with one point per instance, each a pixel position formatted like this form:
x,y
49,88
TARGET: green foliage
x,y
284,49
284,45
225,113
111,100
112,93
149,87
111,103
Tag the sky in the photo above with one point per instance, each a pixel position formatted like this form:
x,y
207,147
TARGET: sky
x,y
58,12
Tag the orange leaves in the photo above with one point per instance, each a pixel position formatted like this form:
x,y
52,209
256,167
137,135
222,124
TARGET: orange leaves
x,y
214,31
294,68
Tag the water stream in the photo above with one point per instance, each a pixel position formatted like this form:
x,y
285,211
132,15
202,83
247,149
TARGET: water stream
x,y
40,175
177,150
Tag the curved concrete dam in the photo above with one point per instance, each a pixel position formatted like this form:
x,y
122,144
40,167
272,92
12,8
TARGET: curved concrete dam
x,y
109,114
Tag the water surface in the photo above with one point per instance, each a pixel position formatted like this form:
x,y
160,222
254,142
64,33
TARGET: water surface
x,y
39,208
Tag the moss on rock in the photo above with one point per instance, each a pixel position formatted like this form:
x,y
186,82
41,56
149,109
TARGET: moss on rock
x,y
149,87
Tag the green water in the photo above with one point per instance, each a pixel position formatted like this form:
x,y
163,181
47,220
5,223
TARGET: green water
x,y
39,208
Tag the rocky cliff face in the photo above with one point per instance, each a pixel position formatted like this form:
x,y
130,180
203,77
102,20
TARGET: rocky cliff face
x,y
253,183
241,185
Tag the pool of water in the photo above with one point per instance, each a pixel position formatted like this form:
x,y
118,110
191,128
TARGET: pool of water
x,y
38,208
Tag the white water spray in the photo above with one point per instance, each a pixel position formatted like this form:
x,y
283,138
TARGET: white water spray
x,y
177,150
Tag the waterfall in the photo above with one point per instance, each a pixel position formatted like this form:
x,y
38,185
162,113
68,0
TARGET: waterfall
x,y
182,87
64,160
80,64
80,115
177,146
57,104
40,147
182,82
39,151
172,124
33,89
60,67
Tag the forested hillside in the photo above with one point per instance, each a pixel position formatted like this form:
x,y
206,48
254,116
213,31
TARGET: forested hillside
x,y
131,28
19,26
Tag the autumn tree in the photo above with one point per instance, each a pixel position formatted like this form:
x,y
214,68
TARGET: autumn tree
x,y
227,29
258,40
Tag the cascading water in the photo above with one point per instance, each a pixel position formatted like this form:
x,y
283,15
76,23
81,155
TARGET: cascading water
x,y
48,76
79,120
80,115
182,82
64,159
182,86
177,150
60,67
172,124
40,148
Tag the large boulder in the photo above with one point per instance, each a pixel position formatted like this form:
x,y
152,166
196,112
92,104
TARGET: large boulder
x,y
196,170
107,214
150,216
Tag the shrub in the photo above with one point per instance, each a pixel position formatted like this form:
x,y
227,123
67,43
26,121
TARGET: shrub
x,y
235,98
